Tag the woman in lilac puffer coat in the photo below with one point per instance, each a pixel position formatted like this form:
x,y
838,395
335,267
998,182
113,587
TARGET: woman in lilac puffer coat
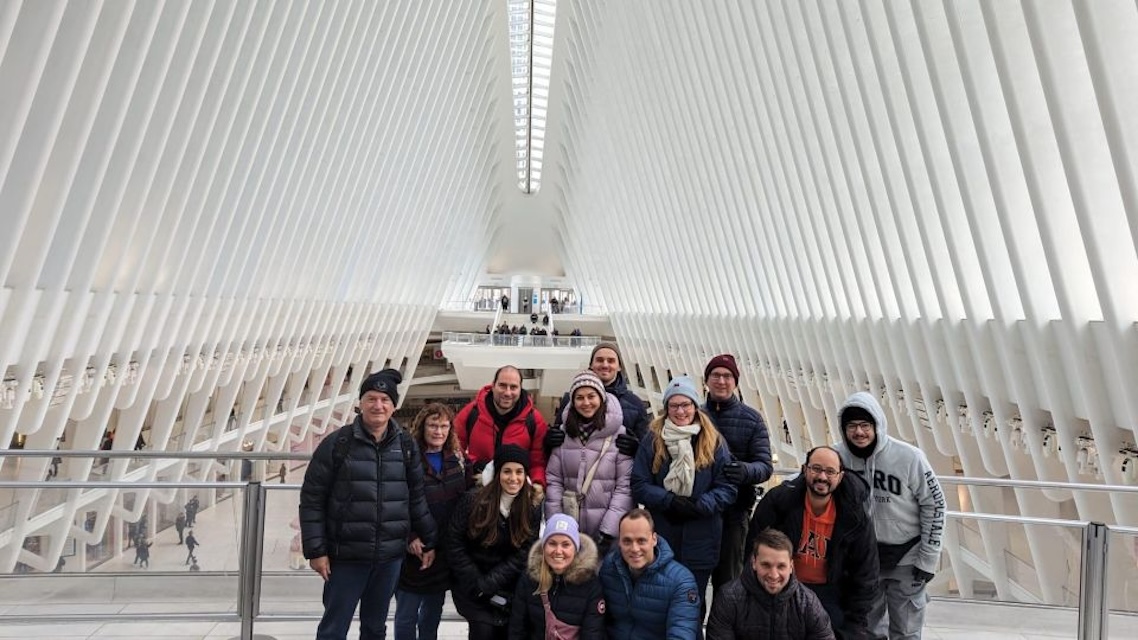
x,y
592,422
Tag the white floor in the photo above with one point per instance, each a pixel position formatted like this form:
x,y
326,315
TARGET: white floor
x,y
166,587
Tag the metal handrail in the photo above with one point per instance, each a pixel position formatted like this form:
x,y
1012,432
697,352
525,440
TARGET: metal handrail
x,y
1093,555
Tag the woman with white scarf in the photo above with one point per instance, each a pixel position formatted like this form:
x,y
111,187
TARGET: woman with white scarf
x,y
678,477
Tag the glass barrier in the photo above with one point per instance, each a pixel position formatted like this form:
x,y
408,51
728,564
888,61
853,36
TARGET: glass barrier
x,y
123,556
511,340
1122,582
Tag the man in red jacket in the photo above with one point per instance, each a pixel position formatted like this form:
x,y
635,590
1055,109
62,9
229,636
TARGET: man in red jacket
x,y
503,413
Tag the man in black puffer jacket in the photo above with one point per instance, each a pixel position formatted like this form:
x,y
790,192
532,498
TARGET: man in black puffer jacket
x,y
746,435
362,496
835,545
767,601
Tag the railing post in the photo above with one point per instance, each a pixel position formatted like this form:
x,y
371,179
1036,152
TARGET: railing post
x,y
252,546
1092,587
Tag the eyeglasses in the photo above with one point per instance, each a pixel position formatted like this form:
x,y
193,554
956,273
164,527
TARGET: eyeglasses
x,y
819,470
859,425
437,427
720,376
682,406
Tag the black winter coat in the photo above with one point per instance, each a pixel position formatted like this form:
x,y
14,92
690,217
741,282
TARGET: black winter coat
x,y
851,555
747,439
744,609
478,571
576,597
366,512
443,491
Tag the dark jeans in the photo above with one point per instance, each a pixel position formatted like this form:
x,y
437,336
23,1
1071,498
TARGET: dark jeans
x,y
484,631
421,611
369,585
732,555
832,602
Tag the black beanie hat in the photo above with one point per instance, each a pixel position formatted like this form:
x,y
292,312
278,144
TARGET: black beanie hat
x,y
511,453
851,414
386,382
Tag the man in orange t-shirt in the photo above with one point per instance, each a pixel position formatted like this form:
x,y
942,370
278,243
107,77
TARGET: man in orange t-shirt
x,y
835,547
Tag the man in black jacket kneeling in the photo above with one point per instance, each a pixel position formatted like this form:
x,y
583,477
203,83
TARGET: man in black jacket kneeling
x,y
362,496
768,602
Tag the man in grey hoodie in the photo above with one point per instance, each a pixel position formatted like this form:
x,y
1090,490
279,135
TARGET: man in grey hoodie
x,y
906,504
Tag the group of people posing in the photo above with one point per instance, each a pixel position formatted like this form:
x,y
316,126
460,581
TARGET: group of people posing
x,y
640,515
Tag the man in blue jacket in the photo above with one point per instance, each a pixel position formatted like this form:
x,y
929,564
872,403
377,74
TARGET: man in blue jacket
x,y
362,496
747,439
650,596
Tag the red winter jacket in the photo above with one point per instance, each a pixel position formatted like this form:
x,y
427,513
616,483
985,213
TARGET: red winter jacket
x,y
479,443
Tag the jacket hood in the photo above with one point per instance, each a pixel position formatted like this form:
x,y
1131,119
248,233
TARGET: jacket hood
x,y
865,400
614,416
581,570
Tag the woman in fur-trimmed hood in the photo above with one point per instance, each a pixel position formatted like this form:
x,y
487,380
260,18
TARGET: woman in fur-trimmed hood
x,y
561,574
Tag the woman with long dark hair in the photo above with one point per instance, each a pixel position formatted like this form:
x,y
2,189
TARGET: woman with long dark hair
x,y
488,538
678,477
446,477
589,479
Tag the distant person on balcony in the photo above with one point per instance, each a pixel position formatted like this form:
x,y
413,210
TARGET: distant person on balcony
x,y
503,413
533,317
505,303
746,435
361,500
823,514
606,362
554,306
906,504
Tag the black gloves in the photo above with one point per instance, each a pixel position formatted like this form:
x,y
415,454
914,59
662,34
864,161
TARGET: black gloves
x,y
683,509
604,544
734,472
627,444
920,575
554,438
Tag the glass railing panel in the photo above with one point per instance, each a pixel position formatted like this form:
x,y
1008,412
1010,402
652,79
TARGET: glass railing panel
x,y
1122,582
288,586
1014,561
121,555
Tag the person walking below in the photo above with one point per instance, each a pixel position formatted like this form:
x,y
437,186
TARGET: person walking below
x,y
192,511
180,527
142,548
191,544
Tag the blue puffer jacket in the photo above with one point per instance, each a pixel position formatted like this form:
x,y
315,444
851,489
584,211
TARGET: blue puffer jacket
x,y
663,604
747,438
635,417
696,543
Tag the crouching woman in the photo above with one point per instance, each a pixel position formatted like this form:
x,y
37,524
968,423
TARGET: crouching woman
x,y
559,596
